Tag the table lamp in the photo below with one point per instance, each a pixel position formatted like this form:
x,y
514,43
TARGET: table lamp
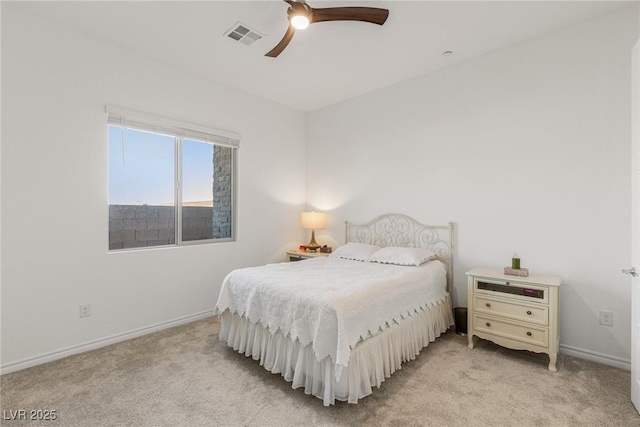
x,y
313,221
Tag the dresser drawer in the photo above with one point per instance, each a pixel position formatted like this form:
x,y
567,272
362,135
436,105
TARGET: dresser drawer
x,y
512,309
532,334
512,289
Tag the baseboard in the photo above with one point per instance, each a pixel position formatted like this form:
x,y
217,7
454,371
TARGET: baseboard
x,y
92,345
581,353
594,356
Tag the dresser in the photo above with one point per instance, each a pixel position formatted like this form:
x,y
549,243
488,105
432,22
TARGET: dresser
x,y
520,313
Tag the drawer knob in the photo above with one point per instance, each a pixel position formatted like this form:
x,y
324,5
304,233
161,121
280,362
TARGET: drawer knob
x,y
488,324
507,283
488,305
528,334
529,312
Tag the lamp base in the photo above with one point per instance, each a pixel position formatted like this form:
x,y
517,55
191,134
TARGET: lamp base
x,y
313,246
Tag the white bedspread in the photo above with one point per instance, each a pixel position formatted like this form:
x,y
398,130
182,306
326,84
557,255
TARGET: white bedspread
x,y
331,303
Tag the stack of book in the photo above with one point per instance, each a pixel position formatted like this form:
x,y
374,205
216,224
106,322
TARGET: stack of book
x,y
522,272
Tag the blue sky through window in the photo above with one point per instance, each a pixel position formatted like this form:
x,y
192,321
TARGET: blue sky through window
x,y
141,168
197,171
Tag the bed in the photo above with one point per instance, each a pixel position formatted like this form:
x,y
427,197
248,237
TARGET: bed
x,y
338,326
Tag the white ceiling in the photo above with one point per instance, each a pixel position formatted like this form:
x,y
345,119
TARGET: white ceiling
x,y
328,62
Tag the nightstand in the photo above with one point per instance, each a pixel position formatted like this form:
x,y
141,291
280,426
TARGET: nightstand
x,y
515,312
297,255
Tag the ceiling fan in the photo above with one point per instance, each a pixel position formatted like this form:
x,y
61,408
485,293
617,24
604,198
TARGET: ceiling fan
x,y
301,15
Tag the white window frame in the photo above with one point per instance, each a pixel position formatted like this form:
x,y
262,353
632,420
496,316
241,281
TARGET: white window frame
x,y
179,130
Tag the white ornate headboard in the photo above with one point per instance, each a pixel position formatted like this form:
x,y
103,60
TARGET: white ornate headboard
x,y
404,231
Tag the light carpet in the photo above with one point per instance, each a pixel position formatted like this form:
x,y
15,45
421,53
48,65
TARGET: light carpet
x,y
184,376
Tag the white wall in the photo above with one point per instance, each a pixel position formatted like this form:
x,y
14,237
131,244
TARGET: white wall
x,y
526,149
55,84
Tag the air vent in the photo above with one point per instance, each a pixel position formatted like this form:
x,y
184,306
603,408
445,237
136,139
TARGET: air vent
x,y
243,34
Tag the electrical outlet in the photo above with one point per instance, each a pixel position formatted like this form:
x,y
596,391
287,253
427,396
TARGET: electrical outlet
x,y
85,310
606,318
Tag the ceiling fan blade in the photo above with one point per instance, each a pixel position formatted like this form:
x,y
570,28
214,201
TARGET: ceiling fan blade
x,y
283,43
373,15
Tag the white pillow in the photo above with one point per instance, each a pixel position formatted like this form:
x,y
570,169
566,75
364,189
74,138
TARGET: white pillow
x,y
356,251
403,256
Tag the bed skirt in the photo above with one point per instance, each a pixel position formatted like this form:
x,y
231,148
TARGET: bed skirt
x,y
370,362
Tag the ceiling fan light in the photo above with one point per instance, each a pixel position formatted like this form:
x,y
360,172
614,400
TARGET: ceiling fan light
x,y
299,22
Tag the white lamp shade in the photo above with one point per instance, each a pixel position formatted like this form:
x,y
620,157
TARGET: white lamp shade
x,y
313,220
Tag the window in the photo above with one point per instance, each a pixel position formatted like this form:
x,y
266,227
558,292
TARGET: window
x,y
170,183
